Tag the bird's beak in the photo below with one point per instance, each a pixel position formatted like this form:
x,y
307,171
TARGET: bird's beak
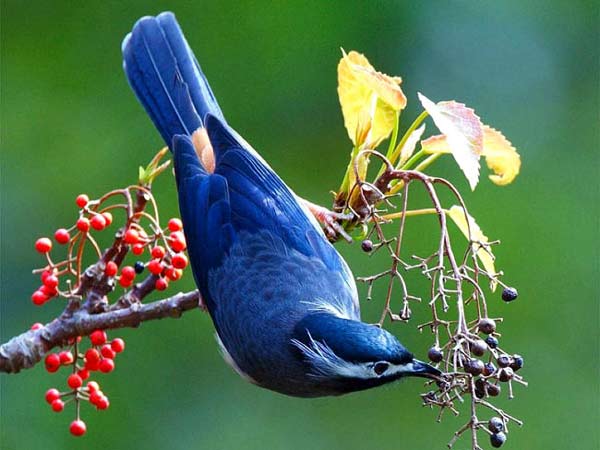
x,y
421,369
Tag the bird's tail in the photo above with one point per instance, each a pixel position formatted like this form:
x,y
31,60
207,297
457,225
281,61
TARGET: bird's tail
x,y
166,77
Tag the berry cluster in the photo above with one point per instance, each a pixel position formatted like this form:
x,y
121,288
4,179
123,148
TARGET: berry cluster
x,y
466,347
100,356
88,289
480,367
166,263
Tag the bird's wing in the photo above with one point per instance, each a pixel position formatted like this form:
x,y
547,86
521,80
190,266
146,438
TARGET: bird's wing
x,y
243,196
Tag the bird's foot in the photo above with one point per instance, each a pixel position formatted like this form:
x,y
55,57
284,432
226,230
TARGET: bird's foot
x,y
201,303
330,220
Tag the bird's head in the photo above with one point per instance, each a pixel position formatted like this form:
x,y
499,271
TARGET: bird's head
x,y
343,355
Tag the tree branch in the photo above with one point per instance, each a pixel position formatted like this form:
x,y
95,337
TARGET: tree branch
x,y
27,349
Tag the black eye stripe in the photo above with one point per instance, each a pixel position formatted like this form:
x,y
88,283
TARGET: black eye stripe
x,y
380,367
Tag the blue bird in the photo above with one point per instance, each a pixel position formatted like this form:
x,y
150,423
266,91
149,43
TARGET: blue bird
x,y
283,301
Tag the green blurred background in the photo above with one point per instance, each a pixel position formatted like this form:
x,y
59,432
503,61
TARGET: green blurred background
x,y
71,124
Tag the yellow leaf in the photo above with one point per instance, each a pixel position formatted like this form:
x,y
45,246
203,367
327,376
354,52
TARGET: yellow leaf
x,y
364,92
463,131
457,214
435,144
501,157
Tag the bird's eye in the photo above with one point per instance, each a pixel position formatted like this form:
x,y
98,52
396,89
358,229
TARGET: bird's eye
x,y
380,367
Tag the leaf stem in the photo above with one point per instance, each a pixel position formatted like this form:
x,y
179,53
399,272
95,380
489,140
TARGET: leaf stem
x,y
414,158
413,126
411,213
394,137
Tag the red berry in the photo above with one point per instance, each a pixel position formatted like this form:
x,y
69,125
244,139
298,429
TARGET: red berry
x,y
175,224
111,269
52,362
158,252
83,224
156,267
39,298
107,351
36,326
128,272
173,274
74,381
98,337
98,222
95,396
118,345
43,245
57,405
51,281
161,284
50,292
66,357
83,373
131,236
179,261
82,200
177,241
93,386
108,217
137,249
102,403
77,428
51,369
125,282
106,365
62,236
92,365
45,274
92,355
51,395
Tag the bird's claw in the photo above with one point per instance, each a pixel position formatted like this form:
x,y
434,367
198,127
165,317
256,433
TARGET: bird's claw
x,y
201,303
330,220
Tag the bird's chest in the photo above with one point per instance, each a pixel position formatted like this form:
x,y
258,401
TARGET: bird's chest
x,y
257,296
256,305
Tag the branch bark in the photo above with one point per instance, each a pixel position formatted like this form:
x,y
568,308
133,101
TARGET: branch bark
x,y
27,349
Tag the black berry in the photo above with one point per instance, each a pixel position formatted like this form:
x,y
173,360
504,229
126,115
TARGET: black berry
x,y
487,326
509,294
479,347
491,341
505,374
138,267
480,388
503,361
474,366
496,425
493,390
435,354
366,245
497,439
516,363
488,369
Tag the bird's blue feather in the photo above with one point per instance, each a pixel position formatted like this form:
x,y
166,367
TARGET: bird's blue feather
x,y
167,79
202,96
261,200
